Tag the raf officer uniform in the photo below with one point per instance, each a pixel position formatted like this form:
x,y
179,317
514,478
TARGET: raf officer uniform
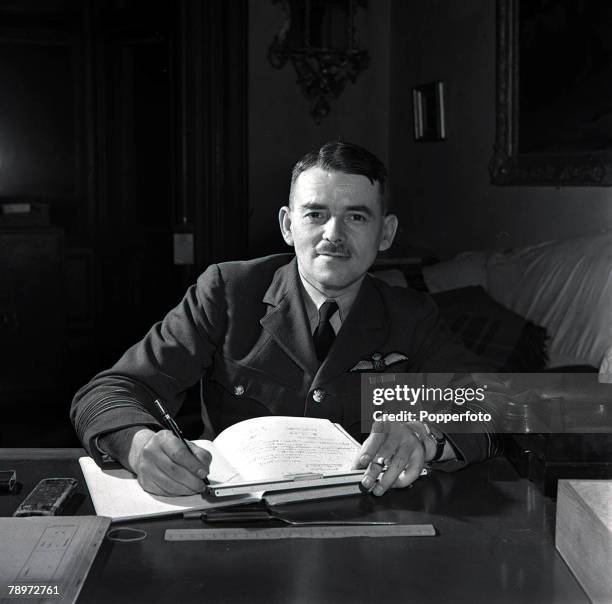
x,y
245,329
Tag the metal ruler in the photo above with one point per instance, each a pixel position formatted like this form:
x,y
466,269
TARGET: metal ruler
x,y
299,532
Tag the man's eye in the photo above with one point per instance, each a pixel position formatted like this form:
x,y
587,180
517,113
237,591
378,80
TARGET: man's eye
x,y
313,215
357,218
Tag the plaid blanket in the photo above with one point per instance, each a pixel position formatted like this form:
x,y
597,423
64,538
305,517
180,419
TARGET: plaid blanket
x,y
496,334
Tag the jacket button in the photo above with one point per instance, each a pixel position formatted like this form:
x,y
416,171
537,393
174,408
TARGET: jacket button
x,y
318,395
238,390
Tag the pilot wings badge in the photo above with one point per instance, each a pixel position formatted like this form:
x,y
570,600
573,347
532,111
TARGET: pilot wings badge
x,y
379,362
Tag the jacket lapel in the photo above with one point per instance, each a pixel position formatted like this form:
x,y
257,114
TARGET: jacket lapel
x,y
286,319
362,333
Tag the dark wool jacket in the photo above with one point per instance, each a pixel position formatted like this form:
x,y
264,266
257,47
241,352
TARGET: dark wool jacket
x,y
242,329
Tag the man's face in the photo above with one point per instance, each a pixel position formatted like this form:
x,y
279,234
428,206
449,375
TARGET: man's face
x,y
336,225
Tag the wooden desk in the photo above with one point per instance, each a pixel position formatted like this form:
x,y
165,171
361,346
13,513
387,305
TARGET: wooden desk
x,y
495,545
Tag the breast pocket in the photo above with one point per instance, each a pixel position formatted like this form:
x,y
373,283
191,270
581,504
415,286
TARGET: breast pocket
x,y
238,392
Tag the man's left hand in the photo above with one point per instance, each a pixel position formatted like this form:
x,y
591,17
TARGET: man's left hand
x,y
395,447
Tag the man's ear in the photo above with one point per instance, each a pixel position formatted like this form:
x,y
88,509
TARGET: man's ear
x,y
284,221
388,234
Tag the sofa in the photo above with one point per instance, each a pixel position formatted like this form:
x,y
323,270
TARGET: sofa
x,y
563,287
542,308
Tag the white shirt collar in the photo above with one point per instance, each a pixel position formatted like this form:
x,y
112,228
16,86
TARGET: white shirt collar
x,y
314,299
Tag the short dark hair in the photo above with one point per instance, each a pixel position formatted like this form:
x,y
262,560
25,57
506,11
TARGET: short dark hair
x,y
350,159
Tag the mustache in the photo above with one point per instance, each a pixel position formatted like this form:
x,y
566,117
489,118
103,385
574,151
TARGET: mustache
x,y
327,247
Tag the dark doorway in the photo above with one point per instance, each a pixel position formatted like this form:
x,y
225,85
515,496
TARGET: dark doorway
x,y
124,124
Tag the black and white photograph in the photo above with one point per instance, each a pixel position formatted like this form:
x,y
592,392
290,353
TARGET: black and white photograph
x,y
305,301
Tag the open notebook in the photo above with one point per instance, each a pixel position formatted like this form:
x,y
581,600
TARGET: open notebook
x,y
264,448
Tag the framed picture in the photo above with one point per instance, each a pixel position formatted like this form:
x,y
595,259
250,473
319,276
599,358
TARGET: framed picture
x,y
554,93
429,112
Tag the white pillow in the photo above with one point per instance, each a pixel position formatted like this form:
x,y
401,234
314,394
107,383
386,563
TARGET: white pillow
x,y
465,269
565,286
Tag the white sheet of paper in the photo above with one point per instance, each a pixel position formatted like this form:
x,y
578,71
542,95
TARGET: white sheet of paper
x,y
117,494
271,447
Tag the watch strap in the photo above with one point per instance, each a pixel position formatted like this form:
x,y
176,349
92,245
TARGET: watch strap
x,y
439,440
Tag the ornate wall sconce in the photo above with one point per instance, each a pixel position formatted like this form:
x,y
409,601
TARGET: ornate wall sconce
x,y
318,37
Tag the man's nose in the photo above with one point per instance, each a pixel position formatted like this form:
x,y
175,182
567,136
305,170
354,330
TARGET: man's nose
x,y
334,230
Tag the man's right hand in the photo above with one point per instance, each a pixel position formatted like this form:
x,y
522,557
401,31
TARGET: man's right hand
x,y
161,462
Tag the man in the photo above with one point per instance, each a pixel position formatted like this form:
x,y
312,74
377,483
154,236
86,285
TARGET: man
x,y
284,335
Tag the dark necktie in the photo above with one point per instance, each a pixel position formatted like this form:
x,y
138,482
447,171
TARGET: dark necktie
x,y
324,334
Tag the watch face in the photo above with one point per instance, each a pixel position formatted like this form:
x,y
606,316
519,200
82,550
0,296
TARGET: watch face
x,y
439,439
438,436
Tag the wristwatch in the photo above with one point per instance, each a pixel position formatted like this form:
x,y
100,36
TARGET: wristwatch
x,y
438,438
